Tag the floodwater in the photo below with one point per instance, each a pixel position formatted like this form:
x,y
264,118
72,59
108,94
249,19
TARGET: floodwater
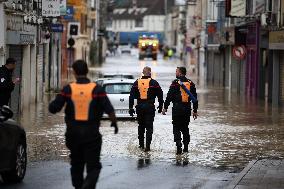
x,y
229,132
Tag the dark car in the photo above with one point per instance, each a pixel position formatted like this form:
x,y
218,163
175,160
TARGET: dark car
x,y
13,148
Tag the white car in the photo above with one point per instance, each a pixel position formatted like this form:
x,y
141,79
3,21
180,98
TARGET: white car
x,y
125,49
101,81
118,91
118,75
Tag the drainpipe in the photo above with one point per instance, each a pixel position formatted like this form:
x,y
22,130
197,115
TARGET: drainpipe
x,y
230,63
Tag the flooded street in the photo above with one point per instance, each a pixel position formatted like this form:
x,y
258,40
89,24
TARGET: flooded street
x,y
229,132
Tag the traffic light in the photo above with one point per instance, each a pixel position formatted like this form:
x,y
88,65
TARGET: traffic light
x,y
74,29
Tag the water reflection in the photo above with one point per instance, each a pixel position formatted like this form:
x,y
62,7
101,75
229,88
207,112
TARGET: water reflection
x,y
228,134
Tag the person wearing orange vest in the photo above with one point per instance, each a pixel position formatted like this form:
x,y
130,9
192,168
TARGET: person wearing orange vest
x,y
145,90
181,110
85,102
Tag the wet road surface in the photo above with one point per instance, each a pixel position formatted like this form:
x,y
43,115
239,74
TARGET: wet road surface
x,y
127,174
229,132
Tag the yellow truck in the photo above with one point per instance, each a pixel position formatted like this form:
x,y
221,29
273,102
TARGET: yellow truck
x,y
148,47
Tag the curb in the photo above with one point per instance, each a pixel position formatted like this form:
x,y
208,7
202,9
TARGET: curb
x,y
238,179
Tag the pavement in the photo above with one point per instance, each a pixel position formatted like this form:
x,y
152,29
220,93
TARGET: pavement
x,y
260,174
126,173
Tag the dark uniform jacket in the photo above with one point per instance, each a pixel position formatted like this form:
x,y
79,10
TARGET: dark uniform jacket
x,y
174,96
100,104
153,92
6,85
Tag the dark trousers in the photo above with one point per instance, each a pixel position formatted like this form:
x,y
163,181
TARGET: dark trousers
x,y
180,126
145,117
86,153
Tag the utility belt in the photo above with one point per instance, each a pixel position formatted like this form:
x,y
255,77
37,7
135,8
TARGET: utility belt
x,y
181,107
146,101
145,104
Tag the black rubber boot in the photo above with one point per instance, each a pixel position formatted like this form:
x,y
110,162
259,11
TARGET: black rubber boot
x,y
179,150
141,145
185,149
147,149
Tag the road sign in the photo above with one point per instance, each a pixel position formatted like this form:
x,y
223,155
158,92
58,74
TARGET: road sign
x,y
69,13
57,28
239,52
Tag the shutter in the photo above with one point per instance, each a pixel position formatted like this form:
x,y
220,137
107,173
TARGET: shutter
x,y
15,51
281,77
40,72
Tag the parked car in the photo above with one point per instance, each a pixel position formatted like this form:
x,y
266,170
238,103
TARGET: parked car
x,y
125,49
13,148
118,75
118,91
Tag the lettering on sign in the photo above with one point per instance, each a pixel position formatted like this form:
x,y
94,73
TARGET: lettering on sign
x,y
238,8
27,39
14,23
29,28
51,8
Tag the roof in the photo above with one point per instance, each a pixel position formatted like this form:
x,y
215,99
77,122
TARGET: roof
x,y
127,10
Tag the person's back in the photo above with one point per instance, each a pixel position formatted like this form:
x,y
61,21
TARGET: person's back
x,y
85,104
181,110
145,90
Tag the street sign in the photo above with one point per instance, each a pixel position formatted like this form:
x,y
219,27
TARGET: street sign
x,y
51,8
239,52
57,28
69,13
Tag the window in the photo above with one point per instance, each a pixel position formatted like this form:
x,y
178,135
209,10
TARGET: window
x,y
139,23
118,88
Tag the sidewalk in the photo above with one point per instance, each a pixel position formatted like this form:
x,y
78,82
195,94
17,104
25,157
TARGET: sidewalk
x,y
260,174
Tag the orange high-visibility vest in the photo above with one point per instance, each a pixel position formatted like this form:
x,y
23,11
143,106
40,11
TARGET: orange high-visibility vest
x,y
184,96
143,86
81,96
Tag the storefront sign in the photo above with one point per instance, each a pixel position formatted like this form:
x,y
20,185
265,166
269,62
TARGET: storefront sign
x,y
14,23
74,2
51,8
259,6
238,8
92,15
29,28
239,52
63,7
276,40
19,38
27,39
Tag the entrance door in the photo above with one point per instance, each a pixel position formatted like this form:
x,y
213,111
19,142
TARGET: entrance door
x,y
15,51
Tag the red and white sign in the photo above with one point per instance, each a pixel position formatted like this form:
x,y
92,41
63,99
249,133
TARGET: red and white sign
x,y
239,52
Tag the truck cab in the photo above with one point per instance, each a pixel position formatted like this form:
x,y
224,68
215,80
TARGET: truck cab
x,y
148,47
